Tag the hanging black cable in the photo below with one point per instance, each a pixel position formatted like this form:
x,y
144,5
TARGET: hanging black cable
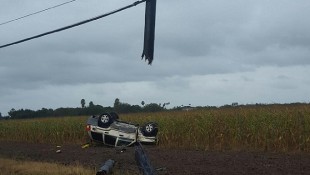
x,y
36,12
74,25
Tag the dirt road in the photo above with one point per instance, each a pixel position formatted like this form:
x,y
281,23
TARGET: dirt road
x,y
169,161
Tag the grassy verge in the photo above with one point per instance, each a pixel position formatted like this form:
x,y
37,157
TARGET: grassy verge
x,y
16,167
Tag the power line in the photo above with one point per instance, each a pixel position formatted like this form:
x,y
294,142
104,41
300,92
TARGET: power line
x,y
74,25
36,12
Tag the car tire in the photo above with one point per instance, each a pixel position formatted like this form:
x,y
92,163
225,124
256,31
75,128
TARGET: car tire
x,y
150,129
114,115
105,120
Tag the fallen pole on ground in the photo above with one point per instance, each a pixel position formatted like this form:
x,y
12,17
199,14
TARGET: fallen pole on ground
x,y
142,160
106,168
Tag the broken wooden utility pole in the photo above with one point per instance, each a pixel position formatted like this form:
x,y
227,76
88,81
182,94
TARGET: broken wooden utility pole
x,y
149,30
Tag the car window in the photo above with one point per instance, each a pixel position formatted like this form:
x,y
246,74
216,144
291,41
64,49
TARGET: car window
x,y
123,142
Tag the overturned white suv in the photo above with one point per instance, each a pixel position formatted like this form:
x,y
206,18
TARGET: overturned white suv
x,y
107,129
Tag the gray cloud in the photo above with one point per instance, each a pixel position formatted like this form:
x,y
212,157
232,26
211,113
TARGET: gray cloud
x,y
206,53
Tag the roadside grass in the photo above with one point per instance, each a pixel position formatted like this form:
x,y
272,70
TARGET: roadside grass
x,y
23,167
18,167
276,128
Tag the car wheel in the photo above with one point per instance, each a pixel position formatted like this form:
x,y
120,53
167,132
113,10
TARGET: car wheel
x,y
114,115
150,129
105,120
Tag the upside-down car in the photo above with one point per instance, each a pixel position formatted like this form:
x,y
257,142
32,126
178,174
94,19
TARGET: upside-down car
x,y
107,129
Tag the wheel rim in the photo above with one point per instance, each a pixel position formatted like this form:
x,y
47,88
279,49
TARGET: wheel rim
x,y
149,128
104,119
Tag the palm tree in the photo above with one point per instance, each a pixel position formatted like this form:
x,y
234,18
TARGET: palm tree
x,y
91,104
83,103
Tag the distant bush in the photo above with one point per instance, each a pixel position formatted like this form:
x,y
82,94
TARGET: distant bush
x,y
27,113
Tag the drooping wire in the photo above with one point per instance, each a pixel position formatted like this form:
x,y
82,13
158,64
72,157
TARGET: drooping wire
x,y
9,21
74,25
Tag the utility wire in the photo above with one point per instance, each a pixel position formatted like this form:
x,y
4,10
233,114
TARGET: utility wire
x,y
74,25
36,12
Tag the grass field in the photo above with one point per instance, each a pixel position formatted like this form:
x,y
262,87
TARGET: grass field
x,y
18,167
280,128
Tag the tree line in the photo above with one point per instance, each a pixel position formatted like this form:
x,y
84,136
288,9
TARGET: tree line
x,y
118,107
91,109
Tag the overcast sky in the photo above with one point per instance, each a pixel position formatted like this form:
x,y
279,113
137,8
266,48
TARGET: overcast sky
x,y
207,52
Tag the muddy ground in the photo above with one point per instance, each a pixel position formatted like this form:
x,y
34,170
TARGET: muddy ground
x,y
167,161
